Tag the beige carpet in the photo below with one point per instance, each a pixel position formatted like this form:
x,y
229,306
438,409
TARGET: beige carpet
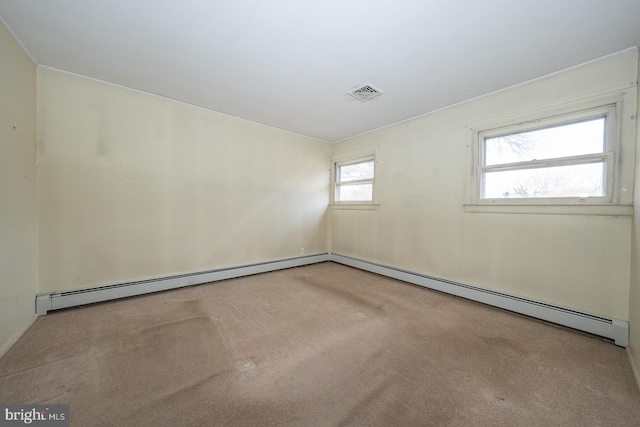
x,y
318,345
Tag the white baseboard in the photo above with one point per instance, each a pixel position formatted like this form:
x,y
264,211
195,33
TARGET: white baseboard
x,y
57,300
634,367
616,330
16,336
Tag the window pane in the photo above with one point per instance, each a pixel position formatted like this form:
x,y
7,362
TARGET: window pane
x,y
354,192
586,180
355,171
560,141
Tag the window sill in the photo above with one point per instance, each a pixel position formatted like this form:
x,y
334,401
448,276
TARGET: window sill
x,y
354,206
548,209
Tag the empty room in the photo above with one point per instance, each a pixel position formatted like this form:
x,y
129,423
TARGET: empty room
x,y
319,213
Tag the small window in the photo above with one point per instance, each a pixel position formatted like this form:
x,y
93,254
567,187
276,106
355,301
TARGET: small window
x,y
353,181
562,160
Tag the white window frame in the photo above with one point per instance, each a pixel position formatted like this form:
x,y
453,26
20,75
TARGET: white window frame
x,y
606,156
351,159
607,106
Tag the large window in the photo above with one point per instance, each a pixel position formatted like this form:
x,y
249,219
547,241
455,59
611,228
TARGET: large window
x,y
354,180
570,159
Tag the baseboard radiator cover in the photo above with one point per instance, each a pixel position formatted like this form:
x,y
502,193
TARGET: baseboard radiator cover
x,y
616,330
59,300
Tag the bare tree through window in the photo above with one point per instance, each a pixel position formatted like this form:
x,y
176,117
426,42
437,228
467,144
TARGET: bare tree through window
x,y
531,167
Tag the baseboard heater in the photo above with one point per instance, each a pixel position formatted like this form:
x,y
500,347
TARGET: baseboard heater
x,y
616,330
59,300
613,329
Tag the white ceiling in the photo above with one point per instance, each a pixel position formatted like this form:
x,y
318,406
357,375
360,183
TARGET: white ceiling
x,y
289,63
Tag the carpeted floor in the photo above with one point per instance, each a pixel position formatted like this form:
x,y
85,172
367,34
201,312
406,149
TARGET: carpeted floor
x,y
318,345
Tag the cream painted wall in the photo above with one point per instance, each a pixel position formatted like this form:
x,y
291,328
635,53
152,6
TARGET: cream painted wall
x,y
634,292
18,216
575,261
133,186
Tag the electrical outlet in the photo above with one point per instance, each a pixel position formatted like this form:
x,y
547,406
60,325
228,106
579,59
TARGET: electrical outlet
x,y
301,251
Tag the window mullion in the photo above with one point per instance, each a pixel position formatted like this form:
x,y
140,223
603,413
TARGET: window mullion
x,y
560,161
355,181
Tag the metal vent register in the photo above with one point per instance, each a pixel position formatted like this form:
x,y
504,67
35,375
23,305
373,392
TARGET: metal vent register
x,y
365,92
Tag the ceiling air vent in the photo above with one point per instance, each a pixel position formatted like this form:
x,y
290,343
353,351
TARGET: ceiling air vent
x,y
365,92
